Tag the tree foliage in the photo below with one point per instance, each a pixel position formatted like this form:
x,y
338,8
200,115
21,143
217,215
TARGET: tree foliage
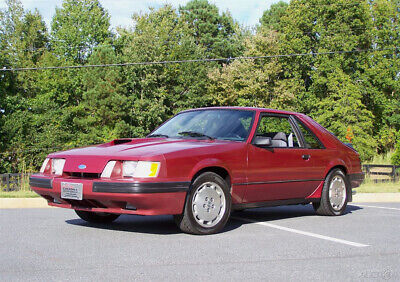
x,y
271,18
355,95
77,27
218,33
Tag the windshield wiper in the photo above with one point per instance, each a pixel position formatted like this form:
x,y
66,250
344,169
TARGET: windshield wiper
x,y
157,135
195,134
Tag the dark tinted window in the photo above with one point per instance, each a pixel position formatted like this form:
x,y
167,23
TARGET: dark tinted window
x,y
311,140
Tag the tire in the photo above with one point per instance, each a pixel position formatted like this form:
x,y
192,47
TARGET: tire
x,y
337,184
96,217
208,206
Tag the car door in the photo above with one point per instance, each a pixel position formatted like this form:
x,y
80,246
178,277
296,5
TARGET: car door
x,y
283,170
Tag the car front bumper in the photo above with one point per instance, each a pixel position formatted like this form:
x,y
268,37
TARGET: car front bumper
x,y
143,198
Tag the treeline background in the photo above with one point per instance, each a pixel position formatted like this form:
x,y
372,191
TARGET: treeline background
x,y
354,94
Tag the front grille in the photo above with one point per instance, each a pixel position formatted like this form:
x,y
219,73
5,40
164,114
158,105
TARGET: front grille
x,y
83,175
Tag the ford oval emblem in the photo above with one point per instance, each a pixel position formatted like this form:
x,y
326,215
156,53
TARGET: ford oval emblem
x,y
82,166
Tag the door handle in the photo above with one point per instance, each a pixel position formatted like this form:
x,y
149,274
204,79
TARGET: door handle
x,y
306,157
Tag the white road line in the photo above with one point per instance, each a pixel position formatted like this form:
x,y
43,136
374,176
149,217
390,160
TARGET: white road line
x,y
376,207
354,244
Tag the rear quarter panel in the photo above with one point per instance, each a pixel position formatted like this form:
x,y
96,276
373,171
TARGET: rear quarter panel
x,y
335,153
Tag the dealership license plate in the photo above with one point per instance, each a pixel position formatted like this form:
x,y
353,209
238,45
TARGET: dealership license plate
x,y
73,191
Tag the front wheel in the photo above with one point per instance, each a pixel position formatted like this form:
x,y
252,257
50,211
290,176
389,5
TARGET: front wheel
x,y
97,217
334,194
207,207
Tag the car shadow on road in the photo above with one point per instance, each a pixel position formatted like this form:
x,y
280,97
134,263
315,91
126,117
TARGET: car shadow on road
x,y
161,225
164,224
283,212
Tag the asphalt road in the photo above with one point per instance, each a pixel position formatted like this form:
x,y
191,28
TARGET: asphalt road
x,y
283,243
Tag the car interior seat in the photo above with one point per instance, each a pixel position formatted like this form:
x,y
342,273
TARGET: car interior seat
x,y
279,140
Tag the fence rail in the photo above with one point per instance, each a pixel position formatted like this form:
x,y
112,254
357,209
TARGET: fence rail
x,y
13,181
392,176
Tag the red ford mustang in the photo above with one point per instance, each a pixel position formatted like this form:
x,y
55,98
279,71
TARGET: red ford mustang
x,y
203,163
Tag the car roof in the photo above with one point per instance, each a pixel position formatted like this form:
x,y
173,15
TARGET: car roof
x,y
264,110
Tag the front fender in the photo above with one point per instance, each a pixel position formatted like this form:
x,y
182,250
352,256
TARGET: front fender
x,y
209,162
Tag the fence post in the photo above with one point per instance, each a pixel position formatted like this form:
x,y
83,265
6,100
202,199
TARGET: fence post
x,y
8,182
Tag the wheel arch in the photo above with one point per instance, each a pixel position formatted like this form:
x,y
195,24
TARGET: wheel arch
x,y
221,171
340,166
343,168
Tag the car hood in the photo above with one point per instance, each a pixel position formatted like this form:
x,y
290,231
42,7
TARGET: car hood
x,y
96,157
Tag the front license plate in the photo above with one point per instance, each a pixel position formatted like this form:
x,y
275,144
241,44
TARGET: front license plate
x,y
71,191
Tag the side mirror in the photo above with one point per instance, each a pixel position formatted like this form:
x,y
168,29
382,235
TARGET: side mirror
x,y
262,141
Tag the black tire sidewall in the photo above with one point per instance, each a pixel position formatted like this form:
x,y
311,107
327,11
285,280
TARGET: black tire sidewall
x,y
208,177
325,197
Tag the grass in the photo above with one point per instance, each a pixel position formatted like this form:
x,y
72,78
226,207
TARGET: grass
x,y
18,194
370,187
382,159
388,187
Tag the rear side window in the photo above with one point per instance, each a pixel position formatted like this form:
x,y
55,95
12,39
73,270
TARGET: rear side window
x,y
279,129
311,140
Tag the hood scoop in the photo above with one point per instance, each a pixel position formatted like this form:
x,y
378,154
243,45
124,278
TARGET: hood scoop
x,y
120,141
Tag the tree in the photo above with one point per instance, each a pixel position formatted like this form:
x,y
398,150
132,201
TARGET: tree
x,y
104,111
271,18
252,83
159,91
380,82
78,27
320,26
217,33
343,112
23,42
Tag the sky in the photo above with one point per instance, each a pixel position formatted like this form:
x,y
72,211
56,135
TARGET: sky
x,y
246,12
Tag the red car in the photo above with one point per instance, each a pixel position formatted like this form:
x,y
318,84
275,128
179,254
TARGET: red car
x,y
202,164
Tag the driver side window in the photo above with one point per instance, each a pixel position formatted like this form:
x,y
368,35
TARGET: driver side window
x,y
279,130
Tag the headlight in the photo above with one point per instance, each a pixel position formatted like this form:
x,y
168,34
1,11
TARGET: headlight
x,y
107,171
131,169
57,166
147,169
53,166
45,166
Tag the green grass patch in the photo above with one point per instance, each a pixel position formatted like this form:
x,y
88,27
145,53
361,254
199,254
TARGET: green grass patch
x,y
382,159
370,187
18,194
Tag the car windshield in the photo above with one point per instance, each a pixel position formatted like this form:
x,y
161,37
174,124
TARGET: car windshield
x,y
208,124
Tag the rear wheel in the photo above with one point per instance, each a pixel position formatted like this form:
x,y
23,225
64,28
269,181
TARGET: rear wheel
x,y
97,217
334,194
207,207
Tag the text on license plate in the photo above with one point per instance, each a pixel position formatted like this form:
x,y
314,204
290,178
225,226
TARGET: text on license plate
x,y
71,191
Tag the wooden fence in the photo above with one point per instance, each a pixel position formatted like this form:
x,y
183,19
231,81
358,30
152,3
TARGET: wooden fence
x,y
13,181
385,173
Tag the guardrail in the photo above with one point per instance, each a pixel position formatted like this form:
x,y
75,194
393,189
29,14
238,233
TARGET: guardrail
x,y
392,176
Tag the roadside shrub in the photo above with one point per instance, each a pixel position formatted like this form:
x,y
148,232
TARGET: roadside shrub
x,y
396,155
